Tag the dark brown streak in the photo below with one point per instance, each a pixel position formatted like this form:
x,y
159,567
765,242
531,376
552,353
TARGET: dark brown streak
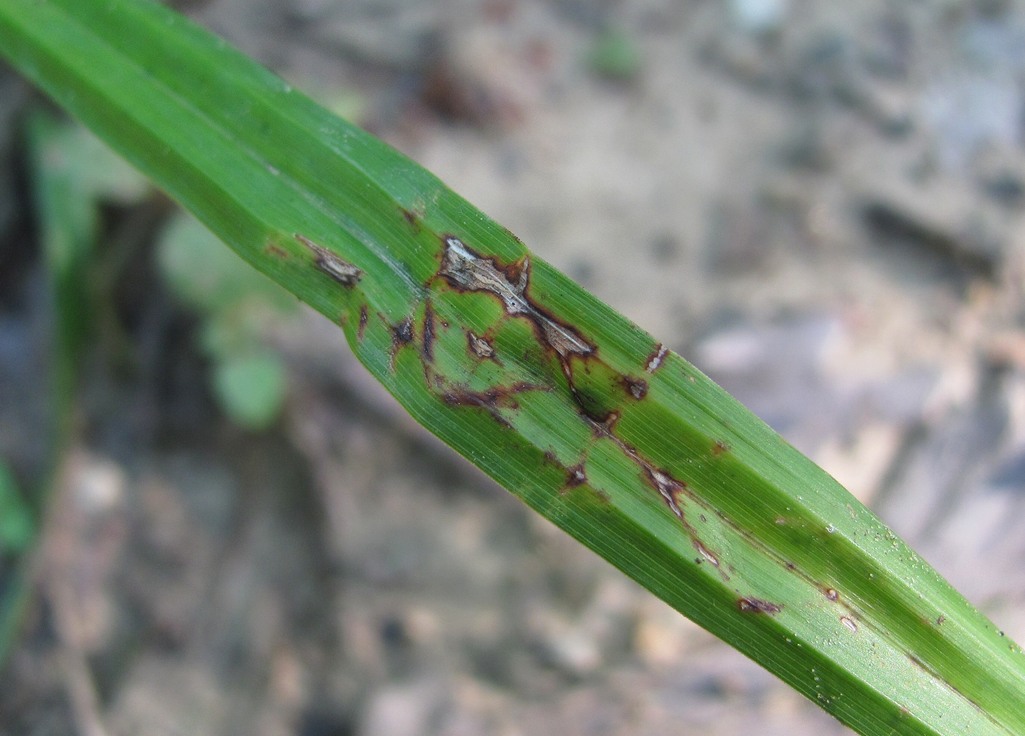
x,y
412,219
363,318
757,605
401,335
492,399
428,340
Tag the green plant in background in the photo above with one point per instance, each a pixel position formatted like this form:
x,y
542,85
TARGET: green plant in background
x,y
592,422
236,303
17,528
615,55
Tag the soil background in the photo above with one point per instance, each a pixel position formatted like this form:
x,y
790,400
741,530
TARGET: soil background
x,y
820,204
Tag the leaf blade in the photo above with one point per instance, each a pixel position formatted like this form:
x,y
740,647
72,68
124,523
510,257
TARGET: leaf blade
x,y
582,414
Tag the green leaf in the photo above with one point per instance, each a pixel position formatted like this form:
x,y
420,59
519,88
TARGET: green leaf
x,y
251,389
17,529
587,418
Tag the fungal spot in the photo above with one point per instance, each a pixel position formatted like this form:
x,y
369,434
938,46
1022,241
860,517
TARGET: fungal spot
x,y
831,594
940,620
757,605
479,346
469,271
669,488
341,271
363,318
412,219
656,357
277,251
636,387
720,448
849,623
428,340
704,552
401,335
575,476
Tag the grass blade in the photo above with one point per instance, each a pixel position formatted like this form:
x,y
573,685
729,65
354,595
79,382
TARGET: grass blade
x,y
580,413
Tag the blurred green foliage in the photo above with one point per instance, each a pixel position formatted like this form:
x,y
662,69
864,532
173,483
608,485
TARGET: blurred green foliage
x,y
17,530
237,303
615,55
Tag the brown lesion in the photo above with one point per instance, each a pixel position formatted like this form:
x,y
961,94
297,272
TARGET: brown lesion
x,y
656,358
465,270
364,317
401,335
575,476
428,332
480,346
412,218
757,605
492,399
277,251
635,387
331,264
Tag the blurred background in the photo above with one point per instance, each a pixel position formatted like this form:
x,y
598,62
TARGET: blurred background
x,y
212,522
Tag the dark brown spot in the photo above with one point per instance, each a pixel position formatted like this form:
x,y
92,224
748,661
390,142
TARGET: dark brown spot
x,y
757,605
428,341
363,318
278,252
940,620
402,333
330,263
636,387
412,219
720,448
656,358
575,476
831,594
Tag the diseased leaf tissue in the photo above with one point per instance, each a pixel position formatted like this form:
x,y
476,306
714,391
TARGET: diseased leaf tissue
x,y
490,371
